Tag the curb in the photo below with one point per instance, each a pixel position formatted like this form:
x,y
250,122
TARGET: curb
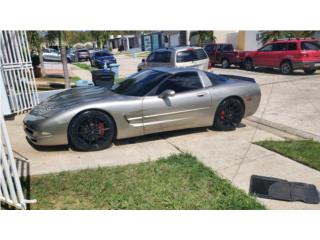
x,y
284,128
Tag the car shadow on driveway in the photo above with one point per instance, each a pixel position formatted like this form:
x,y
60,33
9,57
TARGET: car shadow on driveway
x,y
133,140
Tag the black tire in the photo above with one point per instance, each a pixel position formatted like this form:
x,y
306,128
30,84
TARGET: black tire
x,y
286,67
309,71
248,64
225,63
91,131
228,115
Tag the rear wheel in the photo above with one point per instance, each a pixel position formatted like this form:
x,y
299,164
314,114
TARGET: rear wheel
x,y
286,67
229,115
225,63
91,130
309,71
248,64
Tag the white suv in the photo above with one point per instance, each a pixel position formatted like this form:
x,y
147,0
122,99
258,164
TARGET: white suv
x,y
177,57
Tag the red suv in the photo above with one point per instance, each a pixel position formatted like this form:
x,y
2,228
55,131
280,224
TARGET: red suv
x,y
287,55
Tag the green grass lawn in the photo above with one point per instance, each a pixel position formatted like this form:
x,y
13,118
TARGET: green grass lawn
x,y
82,65
304,151
176,182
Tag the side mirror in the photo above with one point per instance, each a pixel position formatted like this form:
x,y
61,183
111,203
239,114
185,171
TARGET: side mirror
x,y
143,60
167,93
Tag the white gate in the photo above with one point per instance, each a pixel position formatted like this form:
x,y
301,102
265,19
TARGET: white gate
x,y
17,71
17,79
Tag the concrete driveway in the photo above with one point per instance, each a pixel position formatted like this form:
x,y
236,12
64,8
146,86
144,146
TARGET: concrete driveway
x,y
289,102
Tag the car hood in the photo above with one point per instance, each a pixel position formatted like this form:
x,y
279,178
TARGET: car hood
x,y
74,97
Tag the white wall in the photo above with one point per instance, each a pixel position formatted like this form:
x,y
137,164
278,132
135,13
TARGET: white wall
x,y
227,37
251,43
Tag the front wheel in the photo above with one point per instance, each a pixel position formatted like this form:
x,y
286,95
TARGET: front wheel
x,y
228,115
286,67
225,63
91,130
309,71
248,64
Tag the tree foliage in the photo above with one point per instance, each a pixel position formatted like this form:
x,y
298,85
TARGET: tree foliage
x,y
275,35
35,40
203,36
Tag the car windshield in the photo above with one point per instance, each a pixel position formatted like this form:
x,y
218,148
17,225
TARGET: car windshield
x,y
191,55
102,54
312,45
139,84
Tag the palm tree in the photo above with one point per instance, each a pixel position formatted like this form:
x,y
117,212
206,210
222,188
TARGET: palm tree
x,y
203,36
267,36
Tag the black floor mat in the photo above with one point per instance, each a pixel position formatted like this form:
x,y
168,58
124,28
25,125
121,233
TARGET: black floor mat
x,y
279,189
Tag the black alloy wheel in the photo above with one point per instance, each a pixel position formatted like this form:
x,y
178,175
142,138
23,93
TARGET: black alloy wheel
x,y
229,114
91,130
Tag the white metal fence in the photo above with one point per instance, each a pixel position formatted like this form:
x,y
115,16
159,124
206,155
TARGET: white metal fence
x,y
17,79
10,186
17,71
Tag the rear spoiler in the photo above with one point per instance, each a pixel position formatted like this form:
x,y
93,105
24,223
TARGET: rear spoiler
x,y
234,77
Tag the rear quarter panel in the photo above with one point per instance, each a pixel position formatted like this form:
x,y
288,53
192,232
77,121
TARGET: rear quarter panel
x,y
248,92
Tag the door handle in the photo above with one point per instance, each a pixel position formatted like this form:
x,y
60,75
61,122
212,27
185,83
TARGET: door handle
x,y
201,94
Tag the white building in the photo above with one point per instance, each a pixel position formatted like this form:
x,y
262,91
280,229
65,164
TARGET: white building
x,y
241,40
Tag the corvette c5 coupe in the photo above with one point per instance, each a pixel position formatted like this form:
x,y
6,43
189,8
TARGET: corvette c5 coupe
x,y
150,101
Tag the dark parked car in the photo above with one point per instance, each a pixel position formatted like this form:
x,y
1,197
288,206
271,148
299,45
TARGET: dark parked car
x,y
223,54
82,54
101,58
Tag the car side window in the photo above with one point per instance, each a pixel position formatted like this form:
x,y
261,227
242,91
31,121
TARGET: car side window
x,y
209,49
151,57
227,48
292,46
181,82
163,57
266,48
279,47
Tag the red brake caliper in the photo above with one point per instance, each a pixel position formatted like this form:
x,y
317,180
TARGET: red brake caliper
x,y
101,128
222,113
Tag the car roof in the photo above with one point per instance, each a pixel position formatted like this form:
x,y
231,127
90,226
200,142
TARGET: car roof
x,y
293,40
174,70
178,48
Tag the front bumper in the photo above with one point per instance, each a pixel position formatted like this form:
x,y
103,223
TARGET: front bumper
x,y
41,131
306,65
35,136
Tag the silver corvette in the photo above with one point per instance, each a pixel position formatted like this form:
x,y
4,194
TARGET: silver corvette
x,y
150,101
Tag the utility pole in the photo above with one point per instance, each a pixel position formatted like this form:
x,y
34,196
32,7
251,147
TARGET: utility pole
x,y
188,38
64,61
